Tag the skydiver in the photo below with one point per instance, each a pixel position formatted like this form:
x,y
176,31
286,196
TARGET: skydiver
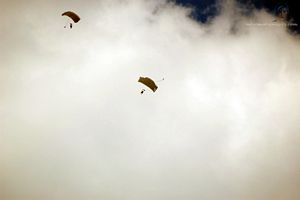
x,y
143,90
71,25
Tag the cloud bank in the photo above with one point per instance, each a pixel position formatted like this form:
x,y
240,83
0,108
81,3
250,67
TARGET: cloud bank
x,y
223,125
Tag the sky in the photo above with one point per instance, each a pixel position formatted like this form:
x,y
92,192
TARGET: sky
x,y
224,123
204,10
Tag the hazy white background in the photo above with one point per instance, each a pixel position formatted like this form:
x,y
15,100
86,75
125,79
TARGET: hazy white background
x,y
73,126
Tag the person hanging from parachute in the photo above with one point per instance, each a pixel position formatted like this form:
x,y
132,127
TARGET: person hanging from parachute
x,y
149,83
75,18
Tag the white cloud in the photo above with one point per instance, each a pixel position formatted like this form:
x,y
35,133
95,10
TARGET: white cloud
x,y
223,124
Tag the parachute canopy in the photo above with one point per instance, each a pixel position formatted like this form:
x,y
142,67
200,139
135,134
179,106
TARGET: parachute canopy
x,y
72,15
148,82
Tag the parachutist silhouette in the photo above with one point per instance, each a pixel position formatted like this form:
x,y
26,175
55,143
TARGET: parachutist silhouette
x,y
143,90
148,82
73,16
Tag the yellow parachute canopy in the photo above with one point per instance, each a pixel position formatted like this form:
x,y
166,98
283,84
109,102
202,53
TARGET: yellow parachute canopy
x,y
72,15
148,82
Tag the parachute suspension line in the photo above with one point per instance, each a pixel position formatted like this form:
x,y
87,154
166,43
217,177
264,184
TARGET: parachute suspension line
x,y
68,24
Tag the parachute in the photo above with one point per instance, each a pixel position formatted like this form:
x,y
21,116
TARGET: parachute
x,y
72,15
148,82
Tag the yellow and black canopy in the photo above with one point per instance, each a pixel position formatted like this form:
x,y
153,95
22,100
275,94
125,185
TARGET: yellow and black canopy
x,y
72,15
148,82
